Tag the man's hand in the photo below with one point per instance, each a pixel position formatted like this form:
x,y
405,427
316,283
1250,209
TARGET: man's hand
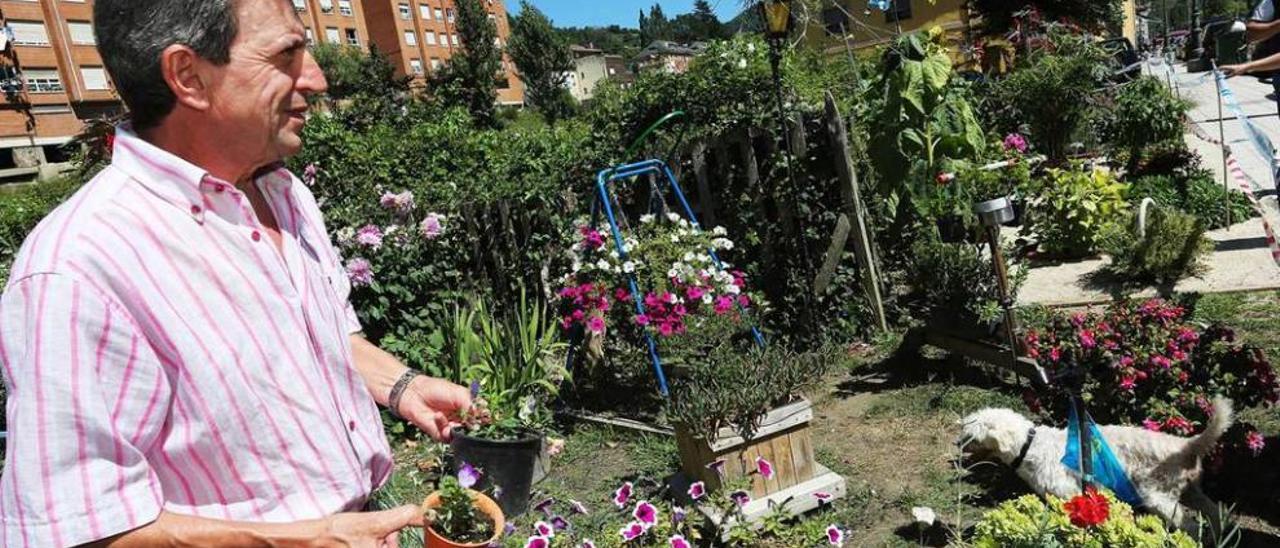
x,y
370,529
1231,71
435,406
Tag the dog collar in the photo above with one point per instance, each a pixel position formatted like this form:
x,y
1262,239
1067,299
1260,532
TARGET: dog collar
x,y
1026,447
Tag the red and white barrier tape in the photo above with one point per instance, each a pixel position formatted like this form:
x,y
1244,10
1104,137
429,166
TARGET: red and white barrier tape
x,y
1242,180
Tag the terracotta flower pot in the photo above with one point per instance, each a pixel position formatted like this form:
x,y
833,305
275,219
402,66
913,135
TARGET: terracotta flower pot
x,y
484,504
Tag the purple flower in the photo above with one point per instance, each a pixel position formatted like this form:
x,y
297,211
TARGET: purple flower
x,y
545,506
1152,425
697,490
578,507
718,466
433,226
369,236
1015,141
309,174
544,529
678,541
475,389
764,467
677,514
646,513
823,497
360,271
468,476
400,203
596,325
537,542
588,544
559,523
632,531
623,495
388,200
509,529
741,498
1255,442
835,536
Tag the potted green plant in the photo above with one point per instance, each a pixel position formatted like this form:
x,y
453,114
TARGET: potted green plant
x,y
740,414
459,517
514,366
989,190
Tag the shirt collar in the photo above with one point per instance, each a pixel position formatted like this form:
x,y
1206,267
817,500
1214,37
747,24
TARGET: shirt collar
x,y
186,185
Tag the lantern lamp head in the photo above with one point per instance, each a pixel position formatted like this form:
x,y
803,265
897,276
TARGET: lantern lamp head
x,y
777,19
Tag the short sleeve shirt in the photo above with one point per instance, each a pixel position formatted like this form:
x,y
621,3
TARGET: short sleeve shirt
x,y
1265,12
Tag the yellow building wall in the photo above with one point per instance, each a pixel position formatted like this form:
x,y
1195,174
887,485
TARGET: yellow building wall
x,y
869,29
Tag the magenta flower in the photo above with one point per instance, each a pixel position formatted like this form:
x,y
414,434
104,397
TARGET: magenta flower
x,y
596,325
537,542
404,202
718,466
646,513
1152,425
835,536
369,236
764,467
1161,361
695,293
1015,142
697,490
741,498
622,295
1087,340
578,507
632,531
544,529
1178,424
1126,361
360,271
310,174
468,476
642,320
678,541
623,495
560,523
1128,383
544,506
388,200
823,497
588,544
1255,442
433,226
724,304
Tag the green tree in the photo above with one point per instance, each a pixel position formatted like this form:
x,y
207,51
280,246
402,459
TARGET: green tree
x,y
658,27
365,85
542,58
701,25
998,15
471,78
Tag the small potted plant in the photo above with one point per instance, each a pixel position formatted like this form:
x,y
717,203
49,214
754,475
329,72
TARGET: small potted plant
x,y
990,191
740,414
514,365
459,517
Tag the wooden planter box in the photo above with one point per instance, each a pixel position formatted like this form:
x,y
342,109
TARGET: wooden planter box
x,y
783,439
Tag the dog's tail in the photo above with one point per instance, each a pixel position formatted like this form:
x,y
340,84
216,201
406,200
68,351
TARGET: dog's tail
x,y
1201,445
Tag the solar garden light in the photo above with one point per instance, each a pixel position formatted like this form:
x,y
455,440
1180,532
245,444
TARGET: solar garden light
x,y
992,214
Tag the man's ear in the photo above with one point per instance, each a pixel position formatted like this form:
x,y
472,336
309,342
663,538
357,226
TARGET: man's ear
x,y
181,68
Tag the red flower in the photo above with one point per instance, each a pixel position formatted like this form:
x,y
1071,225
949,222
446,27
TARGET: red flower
x,y
1088,510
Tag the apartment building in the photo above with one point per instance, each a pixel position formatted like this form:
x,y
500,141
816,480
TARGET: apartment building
x,y
593,66
420,36
334,21
52,80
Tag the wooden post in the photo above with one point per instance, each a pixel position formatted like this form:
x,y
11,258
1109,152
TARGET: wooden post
x,y
834,253
854,208
706,201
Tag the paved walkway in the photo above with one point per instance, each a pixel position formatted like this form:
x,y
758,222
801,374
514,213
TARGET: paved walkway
x,y
1242,260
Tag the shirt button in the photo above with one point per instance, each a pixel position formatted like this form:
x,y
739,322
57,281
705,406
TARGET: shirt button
x,y
257,236
220,188
195,210
352,426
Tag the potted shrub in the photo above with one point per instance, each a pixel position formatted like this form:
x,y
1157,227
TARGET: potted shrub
x,y
458,517
740,414
957,288
514,367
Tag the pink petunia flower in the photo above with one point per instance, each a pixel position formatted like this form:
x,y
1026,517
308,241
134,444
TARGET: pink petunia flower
x,y
632,531
718,466
545,506
1087,339
310,174
1015,142
370,236
1152,425
741,498
578,507
1255,442
537,542
623,495
764,467
544,529
1128,383
678,541
646,514
697,490
835,536
596,325
360,271
724,304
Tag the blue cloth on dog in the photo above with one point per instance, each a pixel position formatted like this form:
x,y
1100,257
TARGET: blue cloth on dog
x,y
1106,469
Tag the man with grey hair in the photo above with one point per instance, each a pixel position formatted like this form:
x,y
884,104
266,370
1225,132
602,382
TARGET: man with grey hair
x,y
182,362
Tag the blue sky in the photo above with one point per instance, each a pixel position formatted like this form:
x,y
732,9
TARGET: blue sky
x,y
578,13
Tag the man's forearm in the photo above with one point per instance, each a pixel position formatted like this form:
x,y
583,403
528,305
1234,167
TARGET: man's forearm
x,y
178,530
379,369
1257,31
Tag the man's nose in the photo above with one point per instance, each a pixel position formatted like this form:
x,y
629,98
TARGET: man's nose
x,y
312,80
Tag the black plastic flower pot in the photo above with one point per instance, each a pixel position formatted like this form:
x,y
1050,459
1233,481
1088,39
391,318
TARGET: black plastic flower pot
x,y
506,467
951,229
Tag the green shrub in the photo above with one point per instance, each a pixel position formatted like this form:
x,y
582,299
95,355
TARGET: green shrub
x,y
1072,209
1173,248
21,208
1145,113
1199,194
1032,522
958,281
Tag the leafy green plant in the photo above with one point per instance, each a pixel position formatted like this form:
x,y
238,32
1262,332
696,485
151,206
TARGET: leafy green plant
x,y
958,281
1073,208
1198,193
21,208
1145,113
735,386
1174,247
457,517
1032,522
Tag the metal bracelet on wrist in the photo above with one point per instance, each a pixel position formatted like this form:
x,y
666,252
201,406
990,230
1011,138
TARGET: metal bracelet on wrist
x,y
397,390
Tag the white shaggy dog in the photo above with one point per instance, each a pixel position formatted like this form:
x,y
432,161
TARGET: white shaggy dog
x,y
1164,468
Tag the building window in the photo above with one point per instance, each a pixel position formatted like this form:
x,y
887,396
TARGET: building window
x,y
353,39
42,80
95,78
311,36
405,12
416,66
300,5
344,7
899,10
424,11
82,33
439,14
435,64
29,33
448,14
410,38
431,38
453,39
331,35
326,6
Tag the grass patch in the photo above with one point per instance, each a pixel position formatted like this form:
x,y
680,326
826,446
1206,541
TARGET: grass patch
x,y
934,399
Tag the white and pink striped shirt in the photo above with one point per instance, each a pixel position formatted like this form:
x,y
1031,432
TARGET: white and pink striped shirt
x,y
160,352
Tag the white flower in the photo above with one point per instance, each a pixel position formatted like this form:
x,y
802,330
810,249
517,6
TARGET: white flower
x,y
684,223
742,63
614,254
720,231
673,273
706,298
603,265
577,266
688,257
576,247
673,217
675,239
647,219
924,515
732,289
628,267
722,243
346,235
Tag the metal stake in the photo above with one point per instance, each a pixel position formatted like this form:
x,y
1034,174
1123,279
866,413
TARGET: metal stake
x,y
1222,132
